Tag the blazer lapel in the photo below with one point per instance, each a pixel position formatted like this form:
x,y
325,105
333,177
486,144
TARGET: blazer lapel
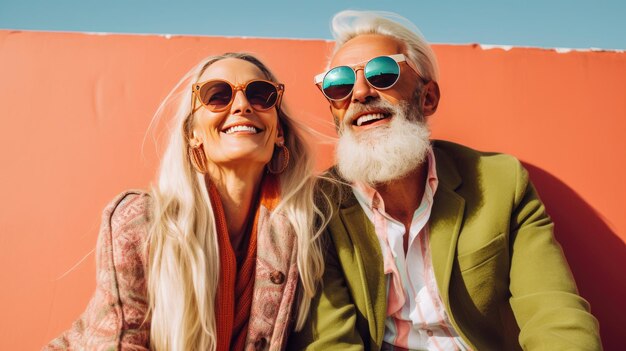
x,y
365,260
445,222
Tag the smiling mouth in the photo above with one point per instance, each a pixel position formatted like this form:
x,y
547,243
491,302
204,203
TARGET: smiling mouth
x,y
370,118
247,129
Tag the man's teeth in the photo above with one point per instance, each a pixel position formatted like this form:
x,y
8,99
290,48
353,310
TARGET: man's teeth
x,y
236,129
367,118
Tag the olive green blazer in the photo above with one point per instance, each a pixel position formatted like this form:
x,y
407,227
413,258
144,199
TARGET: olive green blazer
x,y
501,275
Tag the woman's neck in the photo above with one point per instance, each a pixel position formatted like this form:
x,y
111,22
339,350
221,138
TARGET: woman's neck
x,y
238,191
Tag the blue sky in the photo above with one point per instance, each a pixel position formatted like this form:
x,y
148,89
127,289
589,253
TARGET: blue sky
x,y
547,23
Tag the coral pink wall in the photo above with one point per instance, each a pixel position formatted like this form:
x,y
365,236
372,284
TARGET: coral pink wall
x,y
74,110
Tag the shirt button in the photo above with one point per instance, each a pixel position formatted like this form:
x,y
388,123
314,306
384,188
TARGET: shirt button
x,y
429,332
277,277
260,343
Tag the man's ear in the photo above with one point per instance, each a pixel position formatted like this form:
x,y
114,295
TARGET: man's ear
x,y
430,98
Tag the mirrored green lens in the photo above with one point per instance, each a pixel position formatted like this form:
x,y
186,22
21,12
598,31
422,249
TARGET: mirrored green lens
x,y
338,82
382,72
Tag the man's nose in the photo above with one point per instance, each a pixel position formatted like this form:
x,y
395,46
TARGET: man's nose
x,y
362,91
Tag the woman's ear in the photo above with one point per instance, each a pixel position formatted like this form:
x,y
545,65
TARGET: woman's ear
x,y
195,140
280,134
430,98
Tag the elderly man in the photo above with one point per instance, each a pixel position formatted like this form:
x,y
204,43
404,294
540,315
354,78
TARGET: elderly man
x,y
433,245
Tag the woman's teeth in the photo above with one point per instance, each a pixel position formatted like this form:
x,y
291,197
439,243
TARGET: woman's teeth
x,y
367,118
236,129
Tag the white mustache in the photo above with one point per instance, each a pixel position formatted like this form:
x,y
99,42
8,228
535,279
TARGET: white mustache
x,y
357,109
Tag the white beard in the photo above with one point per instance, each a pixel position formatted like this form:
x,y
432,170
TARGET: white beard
x,y
384,153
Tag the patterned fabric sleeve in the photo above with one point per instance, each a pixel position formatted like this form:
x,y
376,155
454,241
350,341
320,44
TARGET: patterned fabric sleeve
x,y
115,318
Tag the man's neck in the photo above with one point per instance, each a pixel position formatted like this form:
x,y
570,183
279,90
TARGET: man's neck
x,y
403,196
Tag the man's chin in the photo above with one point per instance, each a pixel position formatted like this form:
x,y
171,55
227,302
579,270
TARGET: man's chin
x,y
382,155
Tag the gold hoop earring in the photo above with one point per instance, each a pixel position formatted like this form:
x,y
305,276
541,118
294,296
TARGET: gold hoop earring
x,y
198,158
280,159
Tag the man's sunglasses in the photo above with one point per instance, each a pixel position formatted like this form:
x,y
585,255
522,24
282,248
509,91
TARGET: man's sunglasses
x,y
218,95
381,72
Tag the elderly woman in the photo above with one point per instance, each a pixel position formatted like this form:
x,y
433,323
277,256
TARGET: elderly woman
x,y
221,255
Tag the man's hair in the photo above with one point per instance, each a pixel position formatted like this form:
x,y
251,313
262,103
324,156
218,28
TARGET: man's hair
x,y
349,24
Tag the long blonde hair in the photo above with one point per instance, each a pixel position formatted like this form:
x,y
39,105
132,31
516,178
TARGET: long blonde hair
x,y
183,265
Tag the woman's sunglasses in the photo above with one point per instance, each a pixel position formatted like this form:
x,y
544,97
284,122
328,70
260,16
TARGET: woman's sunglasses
x,y
381,72
218,95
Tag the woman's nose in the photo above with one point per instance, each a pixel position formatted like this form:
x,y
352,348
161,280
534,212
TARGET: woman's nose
x,y
241,105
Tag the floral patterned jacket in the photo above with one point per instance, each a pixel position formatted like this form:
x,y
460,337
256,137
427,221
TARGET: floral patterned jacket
x,y
115,318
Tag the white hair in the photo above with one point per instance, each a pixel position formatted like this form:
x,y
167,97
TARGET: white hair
x,y
348,24
183,265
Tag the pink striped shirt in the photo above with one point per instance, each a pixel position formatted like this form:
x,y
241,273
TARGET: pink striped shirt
x,y
416,316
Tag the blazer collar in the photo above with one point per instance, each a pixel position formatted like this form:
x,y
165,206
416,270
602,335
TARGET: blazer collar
x,y
447,172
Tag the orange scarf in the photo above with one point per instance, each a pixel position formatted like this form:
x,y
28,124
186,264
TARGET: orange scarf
x,y
234,291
